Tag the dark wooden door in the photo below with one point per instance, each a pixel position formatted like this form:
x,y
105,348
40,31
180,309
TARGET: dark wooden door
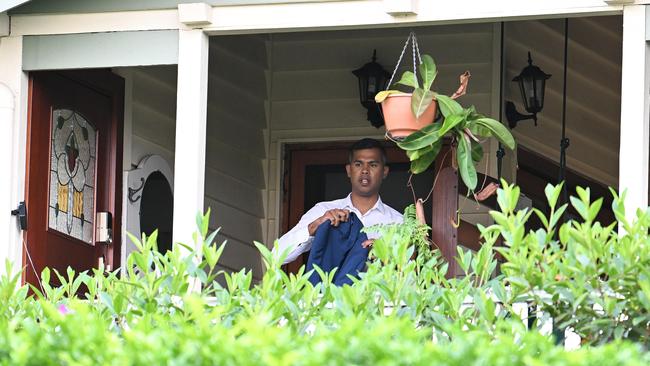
x,y
73,170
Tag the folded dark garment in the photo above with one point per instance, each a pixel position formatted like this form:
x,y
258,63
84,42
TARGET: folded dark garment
x,y
338,247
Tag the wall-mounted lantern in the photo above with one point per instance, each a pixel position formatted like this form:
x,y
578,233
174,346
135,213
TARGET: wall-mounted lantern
x,y
532,83
372,79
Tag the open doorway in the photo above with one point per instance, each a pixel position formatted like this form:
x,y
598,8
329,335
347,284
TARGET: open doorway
x,y
315,172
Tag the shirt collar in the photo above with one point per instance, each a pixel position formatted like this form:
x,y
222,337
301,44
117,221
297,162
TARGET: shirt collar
x,y
379,205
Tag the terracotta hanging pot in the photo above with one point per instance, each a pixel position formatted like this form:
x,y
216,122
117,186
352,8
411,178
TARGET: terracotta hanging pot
x,y
399,118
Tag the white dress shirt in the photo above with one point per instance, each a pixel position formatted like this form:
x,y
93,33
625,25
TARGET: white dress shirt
x,y
299,240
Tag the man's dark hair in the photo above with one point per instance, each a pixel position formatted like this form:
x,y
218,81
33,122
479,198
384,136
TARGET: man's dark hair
x,y
367,143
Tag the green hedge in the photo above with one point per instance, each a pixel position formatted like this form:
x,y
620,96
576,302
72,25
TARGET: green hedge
x,y
583,275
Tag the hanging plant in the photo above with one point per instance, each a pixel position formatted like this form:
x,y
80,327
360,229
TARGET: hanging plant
x,y
464,126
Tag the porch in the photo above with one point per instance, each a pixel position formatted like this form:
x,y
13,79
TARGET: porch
x,y
225,112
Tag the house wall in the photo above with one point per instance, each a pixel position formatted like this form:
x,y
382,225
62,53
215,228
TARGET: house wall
x,y
593,90
236,147
314,95
234,177
153,106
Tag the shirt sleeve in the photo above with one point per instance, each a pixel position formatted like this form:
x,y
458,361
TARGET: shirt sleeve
x,y
297,240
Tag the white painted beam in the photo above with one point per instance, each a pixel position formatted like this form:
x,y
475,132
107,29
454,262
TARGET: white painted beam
x,y
97,50
6,122
13,148
191,112
195,15
345,14
356,14
47,24
633,155
401,7
619,2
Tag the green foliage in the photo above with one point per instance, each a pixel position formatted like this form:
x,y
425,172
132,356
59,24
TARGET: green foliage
x,y
403,309
466,128
463,125
583,274
421,97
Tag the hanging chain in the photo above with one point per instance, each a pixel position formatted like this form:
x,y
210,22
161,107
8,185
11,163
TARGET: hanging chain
x,y
416,50
414,66
399,61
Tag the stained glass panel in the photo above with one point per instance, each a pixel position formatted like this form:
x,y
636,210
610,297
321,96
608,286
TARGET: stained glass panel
x,y
72,175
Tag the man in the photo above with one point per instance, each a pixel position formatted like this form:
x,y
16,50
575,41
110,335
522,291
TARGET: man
x,y
366,169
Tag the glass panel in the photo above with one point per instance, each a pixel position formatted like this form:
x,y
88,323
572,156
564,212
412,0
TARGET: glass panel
x,y
72,175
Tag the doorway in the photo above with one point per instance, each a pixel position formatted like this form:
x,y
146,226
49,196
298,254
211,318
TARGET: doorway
x,y
315,172
73,171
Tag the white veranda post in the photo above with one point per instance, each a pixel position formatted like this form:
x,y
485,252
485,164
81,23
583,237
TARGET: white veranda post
x,y
633,155
13,121
191,111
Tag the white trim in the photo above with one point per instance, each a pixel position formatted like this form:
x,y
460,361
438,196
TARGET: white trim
x,y
97,50
633,155
191,111
370,14
195,14
127,148
350,14
13,158
7,223
94,22
401,7
127,75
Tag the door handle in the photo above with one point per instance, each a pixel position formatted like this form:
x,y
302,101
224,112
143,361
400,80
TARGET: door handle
x,y
21,213
104,227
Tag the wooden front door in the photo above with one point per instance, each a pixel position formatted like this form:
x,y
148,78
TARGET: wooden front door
x,y
73,170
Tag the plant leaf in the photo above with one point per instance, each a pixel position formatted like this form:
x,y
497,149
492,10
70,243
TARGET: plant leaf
x,y
498,130
422,138
416,154
477,129
462,89
447,105
450,122
424,161
477,152
465,163
382,95
428,71
408,79
420,101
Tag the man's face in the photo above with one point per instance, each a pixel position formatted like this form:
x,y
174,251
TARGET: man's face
x,y
366,172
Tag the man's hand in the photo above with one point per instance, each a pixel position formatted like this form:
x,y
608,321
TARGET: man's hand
x,y
335,216
368,243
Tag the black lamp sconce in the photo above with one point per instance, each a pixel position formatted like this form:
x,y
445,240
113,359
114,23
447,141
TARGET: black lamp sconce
x,y
372,79
532,83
